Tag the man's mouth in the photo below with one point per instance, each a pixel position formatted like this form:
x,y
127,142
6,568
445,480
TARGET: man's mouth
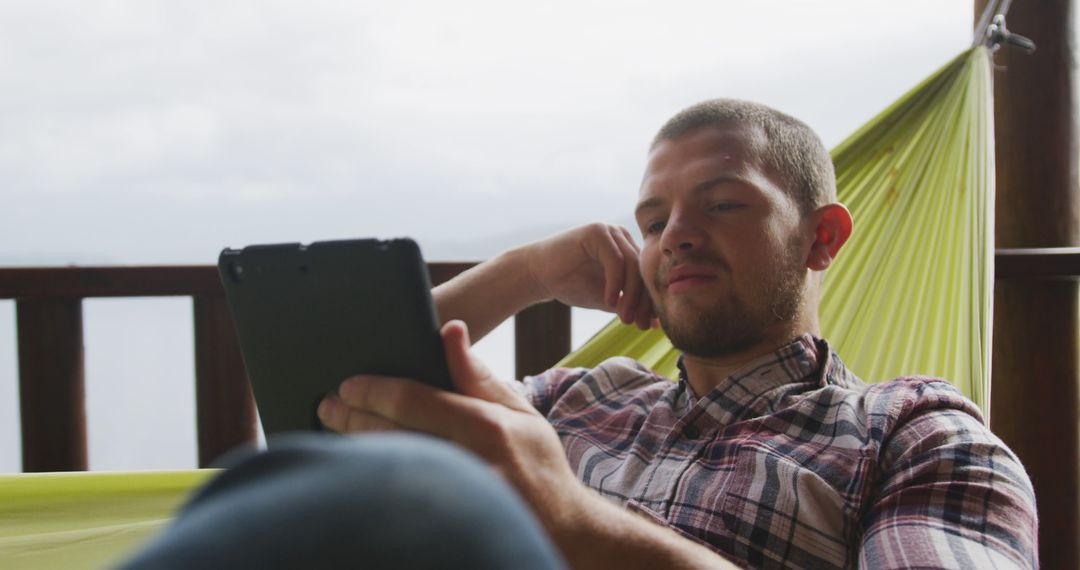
x,y
687,277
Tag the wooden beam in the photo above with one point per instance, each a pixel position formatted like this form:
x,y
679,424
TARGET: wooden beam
x,y
1035,406
225,408
1038,263
541,337
85,282
51,385
141,281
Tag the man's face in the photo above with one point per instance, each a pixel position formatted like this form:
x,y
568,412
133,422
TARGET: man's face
x,y
723,257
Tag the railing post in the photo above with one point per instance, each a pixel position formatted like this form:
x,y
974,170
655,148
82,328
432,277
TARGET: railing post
x,y
1035,388
541,337
225,409
52,393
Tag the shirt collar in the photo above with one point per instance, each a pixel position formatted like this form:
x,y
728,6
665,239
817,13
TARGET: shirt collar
x,y
755,388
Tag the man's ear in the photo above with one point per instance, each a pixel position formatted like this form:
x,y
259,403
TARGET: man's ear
x,y
832,228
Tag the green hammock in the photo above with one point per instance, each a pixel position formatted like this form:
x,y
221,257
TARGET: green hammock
x,y
911,291
85,520
910,294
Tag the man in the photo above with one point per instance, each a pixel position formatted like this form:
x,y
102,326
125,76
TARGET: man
x,y
767,452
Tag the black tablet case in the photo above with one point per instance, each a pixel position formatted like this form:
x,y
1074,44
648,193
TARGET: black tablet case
x,y
309,317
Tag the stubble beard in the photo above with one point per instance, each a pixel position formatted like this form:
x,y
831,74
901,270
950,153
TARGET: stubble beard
x,y
731,324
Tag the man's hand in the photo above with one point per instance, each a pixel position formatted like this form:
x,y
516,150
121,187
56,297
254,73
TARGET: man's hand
x,y
490,419
486,417
595,267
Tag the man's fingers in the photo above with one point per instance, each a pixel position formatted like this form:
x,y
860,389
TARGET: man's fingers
x,y
618,256
631,279
342,418
630,239
376,402
611,259
471,376
334,414
645,314
473,423
411,405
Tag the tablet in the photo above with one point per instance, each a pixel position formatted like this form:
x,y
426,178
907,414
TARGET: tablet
x,y
308,317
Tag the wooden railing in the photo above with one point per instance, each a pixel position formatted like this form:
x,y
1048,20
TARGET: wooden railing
x,y
50,338
48,306
1045,263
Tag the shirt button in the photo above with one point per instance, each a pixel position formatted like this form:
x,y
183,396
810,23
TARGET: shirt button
x,y
691,432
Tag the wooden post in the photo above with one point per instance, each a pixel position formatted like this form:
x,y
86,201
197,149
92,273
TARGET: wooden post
x,y
225,408
1034,393
541,337
52,391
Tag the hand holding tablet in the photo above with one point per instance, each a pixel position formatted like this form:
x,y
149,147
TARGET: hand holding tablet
x,y
309,317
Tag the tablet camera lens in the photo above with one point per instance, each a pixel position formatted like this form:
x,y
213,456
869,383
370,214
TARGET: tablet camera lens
x,y
236,272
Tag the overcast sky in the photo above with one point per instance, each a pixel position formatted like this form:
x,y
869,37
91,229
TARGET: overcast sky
x,y
159,132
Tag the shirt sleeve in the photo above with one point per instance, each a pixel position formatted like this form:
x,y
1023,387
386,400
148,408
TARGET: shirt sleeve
x,y
950,495
544,389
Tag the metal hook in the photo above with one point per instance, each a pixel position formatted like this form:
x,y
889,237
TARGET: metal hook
x,y
997,34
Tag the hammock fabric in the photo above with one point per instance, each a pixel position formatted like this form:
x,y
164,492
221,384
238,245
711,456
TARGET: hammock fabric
x,y
910,294
911,291
85,520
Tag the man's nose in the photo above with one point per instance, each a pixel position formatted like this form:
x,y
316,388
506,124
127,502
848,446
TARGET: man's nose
x,y
683,233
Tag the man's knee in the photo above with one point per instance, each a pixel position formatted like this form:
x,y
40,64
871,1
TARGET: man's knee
x,y
321,500
360,462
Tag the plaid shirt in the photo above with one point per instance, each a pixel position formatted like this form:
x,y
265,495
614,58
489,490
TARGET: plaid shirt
x,y
796,463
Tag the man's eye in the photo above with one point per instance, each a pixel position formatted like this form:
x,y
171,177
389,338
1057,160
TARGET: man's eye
x,y
653,228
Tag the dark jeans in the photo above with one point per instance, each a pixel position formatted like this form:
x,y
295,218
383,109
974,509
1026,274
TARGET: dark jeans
x,y
376,501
